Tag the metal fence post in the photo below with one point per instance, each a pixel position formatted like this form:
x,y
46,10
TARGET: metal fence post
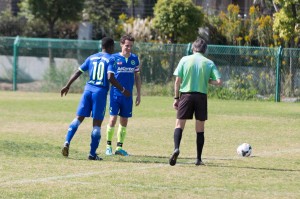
x,y
15,62
188,49
278,74
100,46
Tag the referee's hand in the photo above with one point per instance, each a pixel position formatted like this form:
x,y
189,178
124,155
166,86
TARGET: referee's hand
x,y
175,104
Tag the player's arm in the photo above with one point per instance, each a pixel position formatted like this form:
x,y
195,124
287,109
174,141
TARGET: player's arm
x,y
176,92
215,78
217,82
115,83
66,88
138,84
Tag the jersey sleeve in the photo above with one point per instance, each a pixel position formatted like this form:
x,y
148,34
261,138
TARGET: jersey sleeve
x,y
215,74
112,66
178,70
137,66
85,65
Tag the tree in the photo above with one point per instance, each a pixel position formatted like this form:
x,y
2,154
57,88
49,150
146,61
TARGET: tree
x,y
131,4
51,11
231,24
99,14
178,20
10,25
286,21
260,28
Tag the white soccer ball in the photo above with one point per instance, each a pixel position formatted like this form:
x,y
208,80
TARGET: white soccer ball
x,y
244,150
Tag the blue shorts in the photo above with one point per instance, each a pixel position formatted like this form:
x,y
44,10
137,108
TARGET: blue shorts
x,y
93,103
121,105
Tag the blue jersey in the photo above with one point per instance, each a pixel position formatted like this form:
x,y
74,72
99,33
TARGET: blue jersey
x,y
98,65
126,67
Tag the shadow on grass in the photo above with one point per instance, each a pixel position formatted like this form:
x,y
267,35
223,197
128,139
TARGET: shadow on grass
x,y
42,150
181,161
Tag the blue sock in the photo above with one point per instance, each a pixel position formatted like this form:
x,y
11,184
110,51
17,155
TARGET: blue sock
x,y
95,140
72,130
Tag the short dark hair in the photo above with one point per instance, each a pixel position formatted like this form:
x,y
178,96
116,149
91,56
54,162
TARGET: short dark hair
x,y
199,45
107,42
126,37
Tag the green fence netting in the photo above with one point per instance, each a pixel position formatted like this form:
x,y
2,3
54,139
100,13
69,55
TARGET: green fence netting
x,y
247,72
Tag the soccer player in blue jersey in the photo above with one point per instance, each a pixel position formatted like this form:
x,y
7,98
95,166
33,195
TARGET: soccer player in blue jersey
x,y
101,68
128,74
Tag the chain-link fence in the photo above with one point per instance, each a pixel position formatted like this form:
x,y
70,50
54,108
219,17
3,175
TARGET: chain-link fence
x,y
248,72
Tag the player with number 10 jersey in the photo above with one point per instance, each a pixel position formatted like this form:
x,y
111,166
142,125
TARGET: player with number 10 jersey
x,y
96,88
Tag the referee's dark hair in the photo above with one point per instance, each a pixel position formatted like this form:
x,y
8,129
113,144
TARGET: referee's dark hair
x,y
199,46
107,42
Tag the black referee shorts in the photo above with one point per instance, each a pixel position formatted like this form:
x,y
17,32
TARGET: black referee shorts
x,y
192,103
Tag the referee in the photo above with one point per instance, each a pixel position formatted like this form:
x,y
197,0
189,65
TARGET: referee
x,y
193,74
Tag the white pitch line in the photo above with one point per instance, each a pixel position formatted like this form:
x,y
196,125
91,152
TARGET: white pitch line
x,y
78,175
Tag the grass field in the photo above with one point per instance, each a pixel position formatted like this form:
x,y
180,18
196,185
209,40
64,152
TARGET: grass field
x,y
33,127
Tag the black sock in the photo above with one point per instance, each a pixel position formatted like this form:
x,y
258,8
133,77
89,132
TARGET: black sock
x,y
200,143
177,137
119,144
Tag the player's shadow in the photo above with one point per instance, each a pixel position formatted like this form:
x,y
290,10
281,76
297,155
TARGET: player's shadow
x,y
181,161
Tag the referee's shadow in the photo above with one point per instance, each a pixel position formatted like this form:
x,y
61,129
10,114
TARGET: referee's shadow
x,y
189,161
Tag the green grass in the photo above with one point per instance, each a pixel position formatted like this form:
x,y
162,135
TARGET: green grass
x,y
33,127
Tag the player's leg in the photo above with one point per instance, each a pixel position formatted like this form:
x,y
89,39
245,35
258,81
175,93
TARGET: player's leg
x,y
95,140
83,110
110,130
185,111
199,141
98,113
125,113
179,127
121,134
71,132
114,108
200,115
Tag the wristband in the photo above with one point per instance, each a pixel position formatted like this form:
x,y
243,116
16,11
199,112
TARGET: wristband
x,y
123,90
176,98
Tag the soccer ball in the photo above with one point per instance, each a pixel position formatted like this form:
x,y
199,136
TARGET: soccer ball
x,y
244,150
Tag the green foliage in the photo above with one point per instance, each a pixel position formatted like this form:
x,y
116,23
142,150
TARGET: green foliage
x,y
51,11
231,24
246,86
238,88
10,25
36,28
259,28
287,20
99,14
215,35
177,20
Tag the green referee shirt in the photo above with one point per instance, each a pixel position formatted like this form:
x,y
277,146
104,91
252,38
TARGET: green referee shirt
x,y
195,71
